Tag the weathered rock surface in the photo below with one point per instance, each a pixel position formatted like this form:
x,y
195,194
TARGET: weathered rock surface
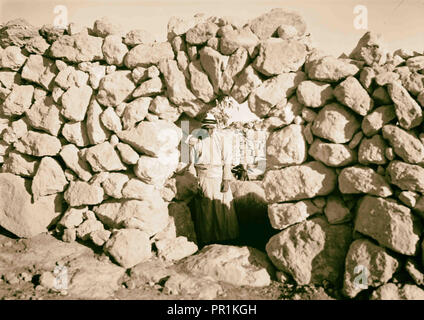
x,y
286,147
376,263
311,251
359,179
19,214
299,182
335,123
392,225
129,247
236,265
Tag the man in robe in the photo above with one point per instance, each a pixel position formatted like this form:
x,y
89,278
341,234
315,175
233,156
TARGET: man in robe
x,y
211,162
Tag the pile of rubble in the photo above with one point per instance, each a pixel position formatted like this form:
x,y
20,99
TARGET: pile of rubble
x,y
90,144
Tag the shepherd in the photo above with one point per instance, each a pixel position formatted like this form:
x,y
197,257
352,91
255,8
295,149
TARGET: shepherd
x,y
211,161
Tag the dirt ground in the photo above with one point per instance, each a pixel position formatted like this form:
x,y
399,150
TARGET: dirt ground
x,y
93,276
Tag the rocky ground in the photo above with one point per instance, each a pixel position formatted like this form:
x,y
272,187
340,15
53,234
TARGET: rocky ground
x,y
25,264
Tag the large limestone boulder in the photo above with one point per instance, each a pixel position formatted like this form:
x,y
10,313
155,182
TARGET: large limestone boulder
x,y
391,291
77,48
240,266
311,251
405,144
38,144
335,123
17,32
286,147
351,93
152,138
407,110
299,182
149,216
330,69
331,154
19,214
277,56
283,215
273,91
115,88
267,24
144,55
376,263
359,179
129,247
391,224
406,176
49,178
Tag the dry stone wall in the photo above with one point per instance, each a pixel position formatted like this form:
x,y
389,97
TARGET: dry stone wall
x,y
90,142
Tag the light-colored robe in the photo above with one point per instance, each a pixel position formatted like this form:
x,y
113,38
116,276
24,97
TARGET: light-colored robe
x,y
215,216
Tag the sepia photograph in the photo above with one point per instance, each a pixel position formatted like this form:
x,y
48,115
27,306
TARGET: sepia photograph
x,y
211,154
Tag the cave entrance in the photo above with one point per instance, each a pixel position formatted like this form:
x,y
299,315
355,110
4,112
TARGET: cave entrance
x,y
248,139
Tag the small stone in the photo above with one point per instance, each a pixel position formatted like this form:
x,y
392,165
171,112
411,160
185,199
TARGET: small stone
x,y
378,263
103,157
129,247
351,94
407,110
87,227
372,151
96,131
201,33
314,94
286,147
81,193
331,154
321,181
128,155
44,115
374,121
283,215
406,176
75,132
335,123
115,88
70,155
144,55
15,131
100,237
409,198
358,179
76,48
356,140
114,183
392,225
330,69
49,178
138,36
69,235
175,249
404,144
12,58
72,218
75,102
273,91
137,189
20,164
149,88
111,120
336,210
114,50
38,144
70,77
18,101
277,56
232,40
135,111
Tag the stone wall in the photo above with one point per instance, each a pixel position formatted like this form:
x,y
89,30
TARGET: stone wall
x,y
91,130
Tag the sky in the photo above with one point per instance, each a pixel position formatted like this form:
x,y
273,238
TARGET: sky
x,y
331,22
